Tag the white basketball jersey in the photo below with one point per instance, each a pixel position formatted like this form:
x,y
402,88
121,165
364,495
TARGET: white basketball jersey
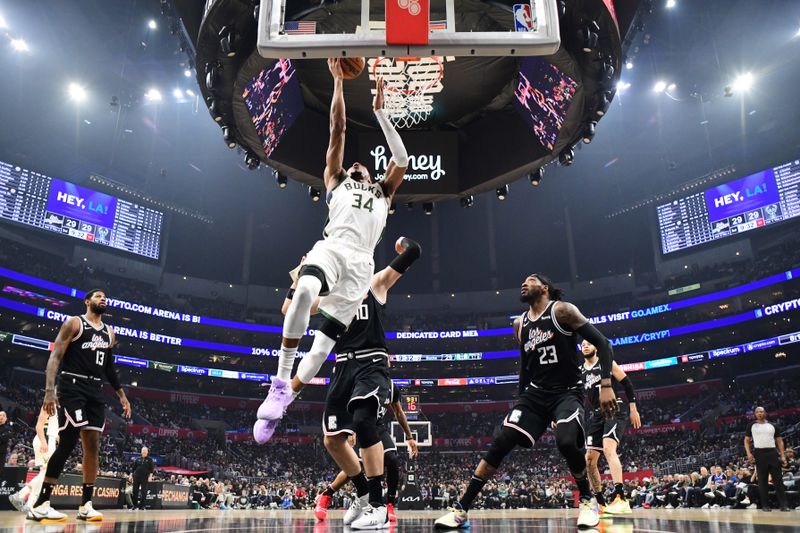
x,y
357,213
52,427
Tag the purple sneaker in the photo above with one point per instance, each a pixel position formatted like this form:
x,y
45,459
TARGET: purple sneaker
x,y
279,397
263,430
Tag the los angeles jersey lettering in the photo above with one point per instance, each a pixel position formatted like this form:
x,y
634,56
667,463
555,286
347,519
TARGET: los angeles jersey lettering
x,y
365,332
357,213
86,354
549,355
591,384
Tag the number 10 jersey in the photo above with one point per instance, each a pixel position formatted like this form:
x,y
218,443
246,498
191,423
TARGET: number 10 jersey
x,y
549,357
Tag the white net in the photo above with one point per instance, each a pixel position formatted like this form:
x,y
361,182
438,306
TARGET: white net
x,y
411,83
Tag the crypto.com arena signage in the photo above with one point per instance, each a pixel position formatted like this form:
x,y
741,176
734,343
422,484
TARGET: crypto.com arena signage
x,y
433,160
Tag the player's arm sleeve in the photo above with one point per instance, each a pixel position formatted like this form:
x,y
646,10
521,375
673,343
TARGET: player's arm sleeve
x,y
412,252
630,393
110,370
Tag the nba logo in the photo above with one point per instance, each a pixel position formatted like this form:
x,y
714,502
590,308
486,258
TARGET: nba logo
x,y
525,18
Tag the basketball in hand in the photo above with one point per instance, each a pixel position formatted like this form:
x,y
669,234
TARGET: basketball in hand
x,y
352,67
398,246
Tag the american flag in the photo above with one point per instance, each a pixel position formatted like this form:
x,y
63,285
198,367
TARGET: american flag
x,y
438,25
301,27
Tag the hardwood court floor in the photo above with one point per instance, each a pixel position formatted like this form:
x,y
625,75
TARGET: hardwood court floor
x,y
551,521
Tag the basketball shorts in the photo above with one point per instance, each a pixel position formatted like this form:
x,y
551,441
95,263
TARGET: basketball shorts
x,y
537,408
40,459
389,445
355,379
81,403
348,271
600,428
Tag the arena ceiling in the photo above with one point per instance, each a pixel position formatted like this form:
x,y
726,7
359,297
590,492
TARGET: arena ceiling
x,y
648,142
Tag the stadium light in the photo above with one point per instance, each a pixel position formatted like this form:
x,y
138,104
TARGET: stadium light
x,y
153,94
152,24
20,45
189,92
671,87
660,86
536,176
671,4
3,24
314,193
743,82
187,72
629,64
427,208
76,92
623,85
467,201
177,93
502,192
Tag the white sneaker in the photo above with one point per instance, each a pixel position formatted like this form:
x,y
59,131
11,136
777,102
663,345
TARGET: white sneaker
x,y
16,500
87,513
357,506
454,519
589,515
372,518
753,506
746,501
45,513
705,506
669,506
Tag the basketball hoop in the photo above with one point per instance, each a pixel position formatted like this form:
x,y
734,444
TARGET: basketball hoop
x,y
410,84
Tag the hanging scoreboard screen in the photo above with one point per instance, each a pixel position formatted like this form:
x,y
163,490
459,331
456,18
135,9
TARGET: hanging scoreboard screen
x,y
51,204
752,202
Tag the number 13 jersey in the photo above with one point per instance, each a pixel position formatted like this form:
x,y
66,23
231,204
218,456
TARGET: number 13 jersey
x,y
549,357
357,213
87,353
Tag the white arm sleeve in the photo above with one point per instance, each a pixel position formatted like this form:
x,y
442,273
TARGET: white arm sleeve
x,y
393,139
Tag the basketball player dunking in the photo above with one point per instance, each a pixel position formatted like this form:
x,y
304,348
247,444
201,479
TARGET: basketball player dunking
x,y
359,393
605,434
82,353
339,267
44,444
550,391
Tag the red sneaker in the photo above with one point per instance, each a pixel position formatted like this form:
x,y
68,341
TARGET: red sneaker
x,y
321,509
390,511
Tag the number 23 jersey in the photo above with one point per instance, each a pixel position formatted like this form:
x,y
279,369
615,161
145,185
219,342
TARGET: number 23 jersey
x,y
548,352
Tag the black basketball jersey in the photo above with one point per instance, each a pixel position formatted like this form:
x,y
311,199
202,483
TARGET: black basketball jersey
x,y
549,353
383,412
366,329
591,384
87,353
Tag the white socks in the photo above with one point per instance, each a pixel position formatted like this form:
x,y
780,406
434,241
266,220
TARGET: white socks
x,y
286,363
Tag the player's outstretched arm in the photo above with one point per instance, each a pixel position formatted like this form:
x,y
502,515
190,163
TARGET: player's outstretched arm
x,y
334,158
569,315
400,416
623,379
65,335
408,251
399,162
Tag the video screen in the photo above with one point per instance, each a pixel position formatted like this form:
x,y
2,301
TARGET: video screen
x,y
274,101
542,98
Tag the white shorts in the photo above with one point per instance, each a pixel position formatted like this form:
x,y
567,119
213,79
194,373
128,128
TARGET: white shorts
x,y
348,271
40,459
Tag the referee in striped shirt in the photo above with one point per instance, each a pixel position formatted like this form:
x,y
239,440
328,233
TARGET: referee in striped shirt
x,y
768,454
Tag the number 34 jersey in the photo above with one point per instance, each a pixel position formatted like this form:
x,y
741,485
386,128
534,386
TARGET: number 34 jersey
x,y
89,351
548,351
357,213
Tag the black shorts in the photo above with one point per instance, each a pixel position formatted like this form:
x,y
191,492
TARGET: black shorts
x,y
81,403
389,445
354,380
537,408
605,428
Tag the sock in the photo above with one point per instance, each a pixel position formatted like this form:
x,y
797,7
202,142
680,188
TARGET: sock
x,y
475,486
286,363
328,491
618,490
375,490
88,491
391,498
600,498
583,487
361,484
44,496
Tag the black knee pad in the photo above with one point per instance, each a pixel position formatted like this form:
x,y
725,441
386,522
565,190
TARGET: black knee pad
x,y
365,423
569,435
502,446
67,439
390,461
314,270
